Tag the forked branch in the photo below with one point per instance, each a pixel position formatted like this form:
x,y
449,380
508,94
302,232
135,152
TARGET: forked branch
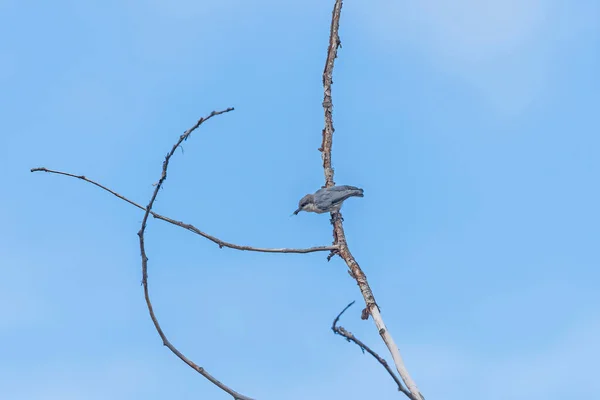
x,y
339,237
339,247
340,330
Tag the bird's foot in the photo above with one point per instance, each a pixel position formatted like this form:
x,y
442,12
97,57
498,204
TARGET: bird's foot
x,y
336,216
332,253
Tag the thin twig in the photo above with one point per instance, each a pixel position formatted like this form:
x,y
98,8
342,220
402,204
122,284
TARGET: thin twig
x,y
340,330
339,237
163,177
190,227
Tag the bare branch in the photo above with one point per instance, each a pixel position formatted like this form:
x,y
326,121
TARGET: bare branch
x,y
339,247
190,227
339,237
334,43
340,330
163,177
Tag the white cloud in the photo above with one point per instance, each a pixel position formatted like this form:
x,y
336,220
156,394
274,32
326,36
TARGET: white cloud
x,y
494,45
473,32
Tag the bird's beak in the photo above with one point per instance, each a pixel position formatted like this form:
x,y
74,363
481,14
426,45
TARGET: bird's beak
x,y
297,211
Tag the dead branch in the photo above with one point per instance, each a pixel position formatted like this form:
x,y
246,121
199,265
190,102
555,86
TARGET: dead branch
x,y
190,227
339,247
163,177
336,218
334,43
340,330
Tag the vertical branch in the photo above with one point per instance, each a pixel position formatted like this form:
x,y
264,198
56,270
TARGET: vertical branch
x,y
337,221
334,43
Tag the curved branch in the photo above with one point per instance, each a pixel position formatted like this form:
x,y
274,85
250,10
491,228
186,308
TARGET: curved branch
x,y
339,237
340,330
190,227
163,177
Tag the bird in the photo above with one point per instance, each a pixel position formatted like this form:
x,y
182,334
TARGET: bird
x,y
327,199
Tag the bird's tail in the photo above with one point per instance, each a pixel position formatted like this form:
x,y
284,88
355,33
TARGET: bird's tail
x,y
358,192
353,191
338,194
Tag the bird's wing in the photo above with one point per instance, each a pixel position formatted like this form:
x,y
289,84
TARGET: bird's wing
x,y
337,194
343,188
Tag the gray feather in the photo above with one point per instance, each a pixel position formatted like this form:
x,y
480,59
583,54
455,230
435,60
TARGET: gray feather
x,y
334,196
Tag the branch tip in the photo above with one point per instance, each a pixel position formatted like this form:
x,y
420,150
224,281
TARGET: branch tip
x,y
339,330
191,227
148,211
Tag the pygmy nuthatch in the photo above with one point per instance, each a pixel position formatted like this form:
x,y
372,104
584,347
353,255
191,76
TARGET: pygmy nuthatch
x,y
327,199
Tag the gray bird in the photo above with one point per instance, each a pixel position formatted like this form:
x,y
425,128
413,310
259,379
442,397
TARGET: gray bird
x,y
327,199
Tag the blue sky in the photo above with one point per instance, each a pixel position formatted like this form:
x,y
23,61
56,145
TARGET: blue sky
x,y
472,127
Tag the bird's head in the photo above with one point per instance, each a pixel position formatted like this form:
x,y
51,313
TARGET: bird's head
x,y
306,204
